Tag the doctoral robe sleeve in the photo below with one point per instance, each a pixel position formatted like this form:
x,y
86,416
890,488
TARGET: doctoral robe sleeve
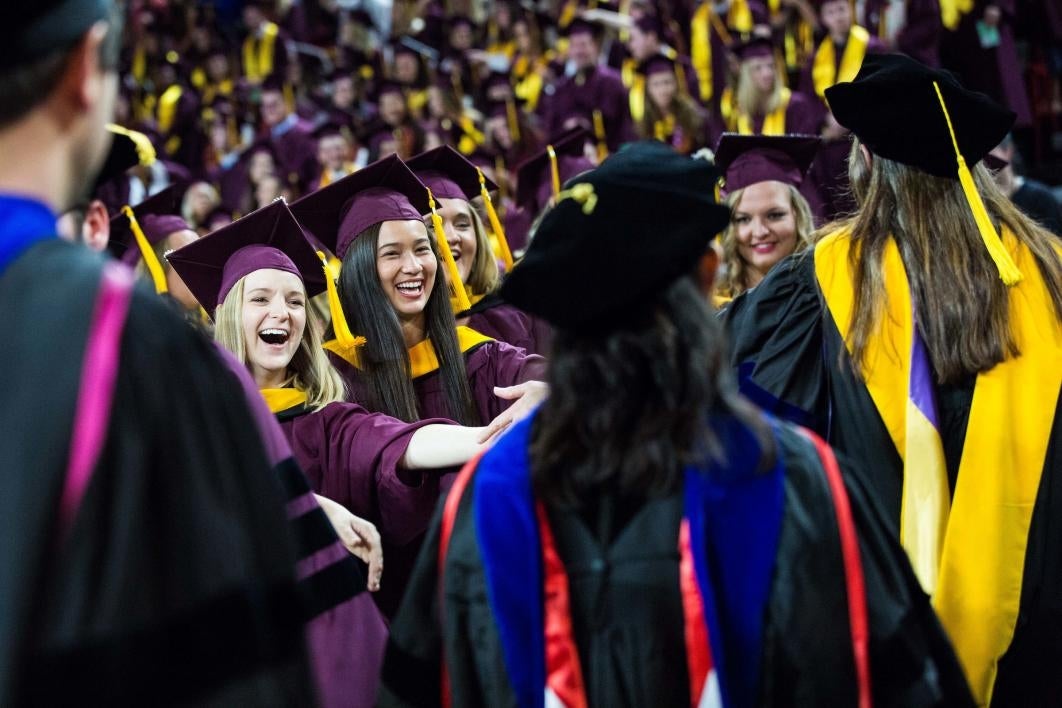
x,y
776,338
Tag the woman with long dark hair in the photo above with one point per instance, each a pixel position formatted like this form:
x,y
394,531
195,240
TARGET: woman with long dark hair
x,y
394,290
455,183
923,337
647,537
671,115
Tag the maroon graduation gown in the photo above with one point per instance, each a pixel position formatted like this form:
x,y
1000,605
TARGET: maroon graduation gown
x,y
351,456
505,323
600,88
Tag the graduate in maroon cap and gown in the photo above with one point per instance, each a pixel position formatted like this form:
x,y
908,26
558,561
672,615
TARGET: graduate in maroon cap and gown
x,y
455,182
837,59
535,182
764,183
290,136
669,114
141,238
410,360
256,275
915,30
762,103
593,96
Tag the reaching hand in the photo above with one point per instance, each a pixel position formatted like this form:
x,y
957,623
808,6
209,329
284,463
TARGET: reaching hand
x,y
359,537
525,397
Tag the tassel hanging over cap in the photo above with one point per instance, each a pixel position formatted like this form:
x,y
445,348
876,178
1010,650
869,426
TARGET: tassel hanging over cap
x,y
495,223
459,300
158,275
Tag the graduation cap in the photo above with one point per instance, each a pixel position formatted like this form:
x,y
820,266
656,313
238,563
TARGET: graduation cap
x,y
128,149
748,159
753,48
267,238
649,23
582,26
613,216
924,118
450,175
135,231
386,190
657,64
33,29
561,159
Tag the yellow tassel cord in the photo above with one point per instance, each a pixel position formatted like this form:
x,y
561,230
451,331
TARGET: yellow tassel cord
x,y
599,133
554,171
158,276
1008,271
145,151
344,337
495,223
511,118
459,300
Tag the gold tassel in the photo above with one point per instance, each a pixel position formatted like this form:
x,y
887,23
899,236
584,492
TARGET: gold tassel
x,y
510,116
599,133
158,276
554,171
344,336
583,194
460,300
1008,270
495,223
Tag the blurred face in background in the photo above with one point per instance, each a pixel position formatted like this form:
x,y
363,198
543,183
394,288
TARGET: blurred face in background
x,y
661,88
763,73
837,18
406,68
343,93
333,152
582,50
273,108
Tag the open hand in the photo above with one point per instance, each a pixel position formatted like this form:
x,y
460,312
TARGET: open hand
x,y
525,397
358,536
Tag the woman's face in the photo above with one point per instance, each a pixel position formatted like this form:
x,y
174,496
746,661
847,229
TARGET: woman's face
x,y
406,266
661,88
460,233
261,166
766,226
202,202
522,36
274,320
763,73
177,289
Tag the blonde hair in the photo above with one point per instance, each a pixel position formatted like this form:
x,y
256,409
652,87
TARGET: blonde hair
x,y
747,98
187,211
484,277
309,369
734,280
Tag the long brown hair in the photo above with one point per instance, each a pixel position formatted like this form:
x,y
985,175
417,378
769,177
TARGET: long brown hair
x,y
686,113
962,308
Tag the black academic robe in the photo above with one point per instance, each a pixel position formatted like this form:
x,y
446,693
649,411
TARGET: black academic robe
x,y
627,609
176,584
790,359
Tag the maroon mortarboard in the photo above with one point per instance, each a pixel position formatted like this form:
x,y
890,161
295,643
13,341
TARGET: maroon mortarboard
x,y
534,173
649,23
448,174
497,79
995,163
330,128
387,86
267,238
753,48
458,20
122,243
747,159
657,64
581,26
273,82
386,190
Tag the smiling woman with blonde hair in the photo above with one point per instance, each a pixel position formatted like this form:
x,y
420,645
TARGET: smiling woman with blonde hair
x,y
770,219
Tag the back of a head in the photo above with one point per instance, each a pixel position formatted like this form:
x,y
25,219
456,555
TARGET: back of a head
x,y
637,362
38,39
914,191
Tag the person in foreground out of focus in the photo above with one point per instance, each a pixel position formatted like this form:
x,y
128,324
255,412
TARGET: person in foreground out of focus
x,y
647,537
922,338
145,556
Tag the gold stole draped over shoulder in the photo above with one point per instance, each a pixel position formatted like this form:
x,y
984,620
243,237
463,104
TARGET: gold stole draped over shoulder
x,y
282,399
422,357
984,534
773,122
824,70
258,65
702,24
